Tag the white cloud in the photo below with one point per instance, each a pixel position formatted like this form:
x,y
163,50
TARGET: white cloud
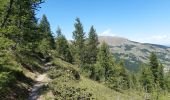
x,y
159,37
155,39
107,32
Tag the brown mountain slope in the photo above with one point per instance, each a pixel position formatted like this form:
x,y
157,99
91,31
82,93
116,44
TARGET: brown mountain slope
x,y
134,52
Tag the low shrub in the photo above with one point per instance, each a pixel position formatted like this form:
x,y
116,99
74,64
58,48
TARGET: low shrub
x,y
64,85
6,79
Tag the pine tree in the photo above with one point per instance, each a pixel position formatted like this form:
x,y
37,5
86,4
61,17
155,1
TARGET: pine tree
x,y
58,32
73,51
5,42
119,79
59,41
125,82
18,36
46,33
104,59
157,71
92,44
79,41
146,79
6,11
161,76
154,66
62,47
19,24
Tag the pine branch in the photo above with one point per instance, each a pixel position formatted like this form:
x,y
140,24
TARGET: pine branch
x,y
8,13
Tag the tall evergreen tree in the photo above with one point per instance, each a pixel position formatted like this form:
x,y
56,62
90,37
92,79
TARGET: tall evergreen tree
x,y
19,24
154,66
119,78
125,82
79,41
46,32
146,79
161,77
18,35
58,32
157,71
105,58
92,44
62,47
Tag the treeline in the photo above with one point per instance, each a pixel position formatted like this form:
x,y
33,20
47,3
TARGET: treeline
x,y
98,63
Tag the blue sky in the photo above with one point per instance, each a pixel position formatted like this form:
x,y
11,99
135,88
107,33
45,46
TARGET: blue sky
x,y
138,20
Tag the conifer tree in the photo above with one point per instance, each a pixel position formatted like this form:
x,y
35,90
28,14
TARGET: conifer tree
x,y
18,35
146,79
154,66
92,46
161,76
125,82
46,33
157,71
119,79
19,24
104,59
79,41
62,47
58,32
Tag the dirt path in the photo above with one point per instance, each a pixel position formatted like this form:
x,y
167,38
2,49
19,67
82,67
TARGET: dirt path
x,y
41,79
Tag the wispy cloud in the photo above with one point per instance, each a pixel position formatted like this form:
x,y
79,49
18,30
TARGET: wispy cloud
x,y
107,32
161,39
156,39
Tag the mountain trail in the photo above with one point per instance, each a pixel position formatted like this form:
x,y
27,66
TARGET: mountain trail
x,y
41,81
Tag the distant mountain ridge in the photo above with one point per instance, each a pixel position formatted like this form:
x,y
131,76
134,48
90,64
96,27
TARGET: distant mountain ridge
x,y
135,53
167,46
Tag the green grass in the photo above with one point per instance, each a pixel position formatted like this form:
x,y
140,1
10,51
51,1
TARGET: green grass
x,y
101,92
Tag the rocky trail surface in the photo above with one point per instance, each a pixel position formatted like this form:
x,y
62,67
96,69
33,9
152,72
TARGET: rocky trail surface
x,y
41,80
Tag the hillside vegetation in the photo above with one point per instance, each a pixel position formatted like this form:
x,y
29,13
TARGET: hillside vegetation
x,y
68,83
82,69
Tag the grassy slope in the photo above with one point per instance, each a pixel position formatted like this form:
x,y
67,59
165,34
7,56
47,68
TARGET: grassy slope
x,y
102,92
99,91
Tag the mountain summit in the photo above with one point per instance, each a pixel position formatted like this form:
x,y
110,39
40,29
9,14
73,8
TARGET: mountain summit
x,y
134,53
113,40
